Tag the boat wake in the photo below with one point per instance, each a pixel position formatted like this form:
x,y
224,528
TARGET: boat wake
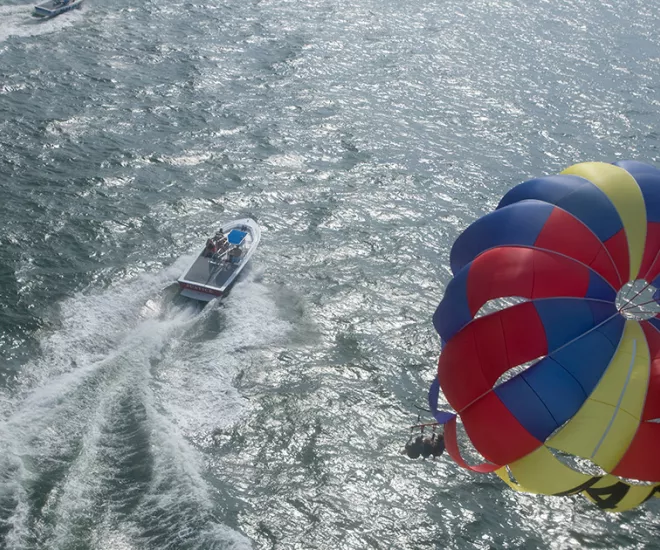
x,y
18,21
99,443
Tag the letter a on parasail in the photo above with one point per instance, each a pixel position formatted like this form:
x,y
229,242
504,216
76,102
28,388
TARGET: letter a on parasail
x,y
559,392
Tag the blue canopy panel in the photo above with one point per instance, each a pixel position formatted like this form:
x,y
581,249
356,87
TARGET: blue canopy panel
x,y
576,195
517,224
550,392
236,237
565,319
442,417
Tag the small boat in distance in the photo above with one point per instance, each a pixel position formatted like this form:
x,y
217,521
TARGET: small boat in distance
x,y
51,8
220,262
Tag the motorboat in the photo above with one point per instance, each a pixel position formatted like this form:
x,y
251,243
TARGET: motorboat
x,y
51,8
221,261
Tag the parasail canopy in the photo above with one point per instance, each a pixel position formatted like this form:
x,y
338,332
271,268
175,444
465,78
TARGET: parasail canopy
x,y
570,373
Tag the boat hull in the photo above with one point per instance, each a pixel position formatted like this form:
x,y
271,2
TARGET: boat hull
x,y
50,9
209,278
198,292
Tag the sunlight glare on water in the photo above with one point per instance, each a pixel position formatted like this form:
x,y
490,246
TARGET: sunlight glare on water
x,y
363,138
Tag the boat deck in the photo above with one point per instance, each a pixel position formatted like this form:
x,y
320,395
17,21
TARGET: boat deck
x,y
210,277
210,273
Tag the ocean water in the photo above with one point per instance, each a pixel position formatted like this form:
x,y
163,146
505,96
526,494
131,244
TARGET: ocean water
x,y
363,137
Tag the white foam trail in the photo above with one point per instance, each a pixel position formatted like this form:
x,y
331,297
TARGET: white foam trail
x,y
18,21
58,410
122,360
202,367
176,485
91,329
11,486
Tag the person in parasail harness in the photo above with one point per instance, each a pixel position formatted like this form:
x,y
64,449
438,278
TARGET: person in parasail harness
x,y
425,445
414,447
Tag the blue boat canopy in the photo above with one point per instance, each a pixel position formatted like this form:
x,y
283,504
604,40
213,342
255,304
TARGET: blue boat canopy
x,y
236,237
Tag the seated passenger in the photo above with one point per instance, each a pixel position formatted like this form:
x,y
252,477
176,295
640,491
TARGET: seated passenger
x,y
414,447
210,248
438,445
425,445
234,255
220,239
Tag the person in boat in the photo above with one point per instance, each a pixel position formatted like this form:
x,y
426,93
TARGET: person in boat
x,y
234,255
220,239
210,249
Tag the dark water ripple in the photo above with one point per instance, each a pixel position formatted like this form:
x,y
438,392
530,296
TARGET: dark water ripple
x,y
363,137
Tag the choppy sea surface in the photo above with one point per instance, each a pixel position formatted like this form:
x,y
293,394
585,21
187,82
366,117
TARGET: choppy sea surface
x,y
363,137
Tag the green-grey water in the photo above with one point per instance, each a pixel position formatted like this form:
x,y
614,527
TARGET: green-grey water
x,y
363,137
